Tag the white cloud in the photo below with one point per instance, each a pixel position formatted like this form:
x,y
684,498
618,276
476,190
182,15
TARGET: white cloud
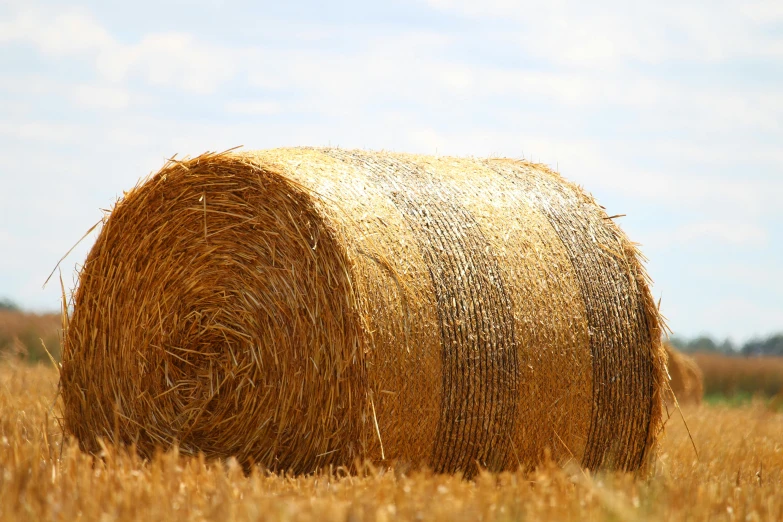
x,y
332,84
170,59
56,34
763,11
759,275
129,136
600,34
26,84
419,67
409,67
164,59
728,233
254,107
728,315
100,97
43,131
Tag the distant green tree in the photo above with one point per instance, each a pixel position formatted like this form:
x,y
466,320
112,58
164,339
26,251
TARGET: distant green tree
x,y
704,343
772,345
7,304
678,342
728,347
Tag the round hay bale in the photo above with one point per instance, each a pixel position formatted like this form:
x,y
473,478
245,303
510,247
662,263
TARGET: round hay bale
x,y
302,307
686,379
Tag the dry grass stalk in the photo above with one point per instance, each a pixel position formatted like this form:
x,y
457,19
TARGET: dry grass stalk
x,y
300,308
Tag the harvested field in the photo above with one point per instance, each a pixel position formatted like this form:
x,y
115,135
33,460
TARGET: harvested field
x,y
304,308
21,334
730,376
737,476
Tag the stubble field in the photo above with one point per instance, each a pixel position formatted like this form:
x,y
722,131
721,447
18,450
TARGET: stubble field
x,y
737,475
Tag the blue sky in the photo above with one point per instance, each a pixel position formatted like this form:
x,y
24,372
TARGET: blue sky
x,y
669,112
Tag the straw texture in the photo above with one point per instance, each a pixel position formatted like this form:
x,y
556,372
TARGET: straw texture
x,y
298,308
687,379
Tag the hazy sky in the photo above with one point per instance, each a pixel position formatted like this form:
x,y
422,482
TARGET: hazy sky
x,y
669,112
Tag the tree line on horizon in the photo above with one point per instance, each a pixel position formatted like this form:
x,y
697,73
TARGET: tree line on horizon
x,y
7,304
770,345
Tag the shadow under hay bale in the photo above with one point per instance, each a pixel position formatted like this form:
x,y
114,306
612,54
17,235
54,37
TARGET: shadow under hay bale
x,y
687,380
303,307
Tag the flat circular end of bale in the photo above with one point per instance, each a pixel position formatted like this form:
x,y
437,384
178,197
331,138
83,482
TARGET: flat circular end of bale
x,y
213,294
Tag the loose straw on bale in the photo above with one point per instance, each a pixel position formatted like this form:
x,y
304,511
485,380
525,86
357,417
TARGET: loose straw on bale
x,y
687,380
297,308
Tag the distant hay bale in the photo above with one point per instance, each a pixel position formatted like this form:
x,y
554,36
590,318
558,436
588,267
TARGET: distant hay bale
x,y
298,308
687,380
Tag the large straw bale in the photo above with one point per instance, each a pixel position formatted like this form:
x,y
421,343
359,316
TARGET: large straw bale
x,y
303,307
687,380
